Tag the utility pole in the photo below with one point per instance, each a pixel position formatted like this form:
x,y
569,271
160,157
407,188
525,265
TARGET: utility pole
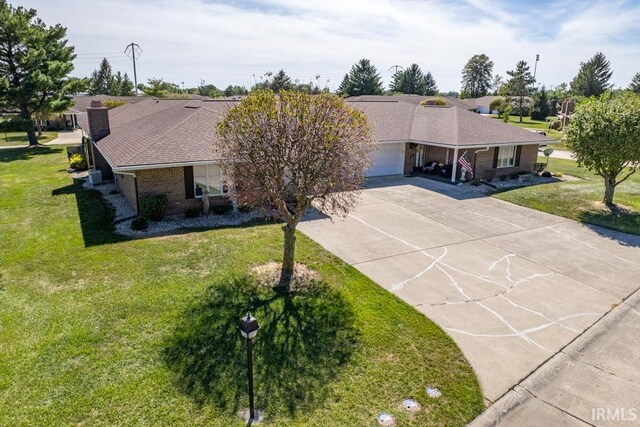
x,y
132,47
396,68
535,67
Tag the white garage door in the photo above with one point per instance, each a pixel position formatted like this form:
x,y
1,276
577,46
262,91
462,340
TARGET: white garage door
x,y
388,160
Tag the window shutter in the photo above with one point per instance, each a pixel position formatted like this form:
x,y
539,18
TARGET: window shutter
x,y
518,154
495,157
188,182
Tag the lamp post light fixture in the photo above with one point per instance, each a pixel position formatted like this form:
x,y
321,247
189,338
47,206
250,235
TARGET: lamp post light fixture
x,y
249,329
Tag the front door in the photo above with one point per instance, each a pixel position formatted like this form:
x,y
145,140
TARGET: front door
x,y
420,150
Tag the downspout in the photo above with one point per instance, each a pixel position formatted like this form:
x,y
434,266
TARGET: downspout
x,y
484,150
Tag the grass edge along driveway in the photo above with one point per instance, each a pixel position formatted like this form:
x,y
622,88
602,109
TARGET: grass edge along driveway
x,y
580,198
99,329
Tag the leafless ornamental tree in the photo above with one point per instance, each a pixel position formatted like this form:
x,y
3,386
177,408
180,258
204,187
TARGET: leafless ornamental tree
x,y
286,151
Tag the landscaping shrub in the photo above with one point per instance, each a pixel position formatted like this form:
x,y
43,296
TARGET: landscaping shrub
x,y
245,208
556,125
546,174
502,177
192,213
78,162
539,167
221,209
140,223
154,206
514,175
558,174
475,182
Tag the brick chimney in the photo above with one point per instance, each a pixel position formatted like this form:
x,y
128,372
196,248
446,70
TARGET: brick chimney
x,y
98,117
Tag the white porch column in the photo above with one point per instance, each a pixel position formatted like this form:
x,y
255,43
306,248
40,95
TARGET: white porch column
x,y
454,170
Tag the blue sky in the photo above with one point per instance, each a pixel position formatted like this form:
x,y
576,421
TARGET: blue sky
x,y
237,42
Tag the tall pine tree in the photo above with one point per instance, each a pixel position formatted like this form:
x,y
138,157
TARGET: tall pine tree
x,y
34,64
635,83
281,81
519,85
476,77
593,77
102,80
413,81
362,79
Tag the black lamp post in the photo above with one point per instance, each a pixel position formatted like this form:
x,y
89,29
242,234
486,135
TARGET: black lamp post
x,y
249,328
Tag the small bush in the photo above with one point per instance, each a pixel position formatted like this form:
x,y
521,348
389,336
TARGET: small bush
x,y
77,161
434,101
154,206
558,174
523,173
475,182
556,125
221,209
514,175
539,167
502,177
546,174
140,223
192,213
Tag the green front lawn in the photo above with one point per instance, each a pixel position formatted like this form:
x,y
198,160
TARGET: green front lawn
x,y
581,199
98,329
20,138
529,123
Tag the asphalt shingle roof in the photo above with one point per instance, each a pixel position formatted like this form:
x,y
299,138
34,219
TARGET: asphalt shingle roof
x,y
153,131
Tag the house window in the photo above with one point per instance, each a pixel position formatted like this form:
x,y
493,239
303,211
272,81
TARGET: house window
x,y
209,177
506,156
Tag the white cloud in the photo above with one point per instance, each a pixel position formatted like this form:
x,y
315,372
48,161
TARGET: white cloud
x,y
227,43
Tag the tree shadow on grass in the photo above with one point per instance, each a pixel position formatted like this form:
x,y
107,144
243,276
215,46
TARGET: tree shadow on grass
x,y
622,226
305,341
25,153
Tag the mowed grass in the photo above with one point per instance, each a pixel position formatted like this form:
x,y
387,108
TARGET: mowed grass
x,y
20,138
97,329
529,123
581,199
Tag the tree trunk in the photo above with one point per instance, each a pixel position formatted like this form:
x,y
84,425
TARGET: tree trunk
x,y
521,99
31,135
609,189
288,256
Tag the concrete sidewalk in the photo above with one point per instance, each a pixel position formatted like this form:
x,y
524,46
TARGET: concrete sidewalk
x,y
594,380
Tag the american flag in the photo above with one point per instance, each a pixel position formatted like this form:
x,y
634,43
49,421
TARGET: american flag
x,y
466,164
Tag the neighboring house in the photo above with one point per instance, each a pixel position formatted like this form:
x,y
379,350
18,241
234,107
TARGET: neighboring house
x,y
417,99
481,105
169,146
76,115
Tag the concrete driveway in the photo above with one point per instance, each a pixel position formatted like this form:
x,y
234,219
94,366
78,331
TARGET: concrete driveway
x,y
512,286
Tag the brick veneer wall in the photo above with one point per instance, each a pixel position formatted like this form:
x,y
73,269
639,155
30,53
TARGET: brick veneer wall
x,y
409,158
170,181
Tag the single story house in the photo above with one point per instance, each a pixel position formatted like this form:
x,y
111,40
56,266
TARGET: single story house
x,y
169,146
481,105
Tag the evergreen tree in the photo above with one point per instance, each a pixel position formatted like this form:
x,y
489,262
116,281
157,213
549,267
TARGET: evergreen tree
x,y
344,89
122,86
280,81
363,79
413,81
519,85
102,80
593,77
34,64
476,76
541,108
635,83
430,87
